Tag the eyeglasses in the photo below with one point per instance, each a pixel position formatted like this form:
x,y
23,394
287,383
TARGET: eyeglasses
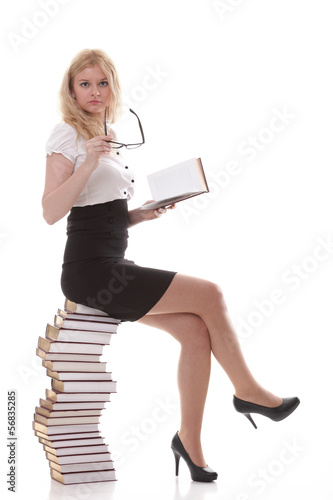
x,y
118,145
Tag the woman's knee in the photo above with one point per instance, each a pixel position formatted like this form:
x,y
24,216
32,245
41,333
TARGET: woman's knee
x,y
214,297
195,334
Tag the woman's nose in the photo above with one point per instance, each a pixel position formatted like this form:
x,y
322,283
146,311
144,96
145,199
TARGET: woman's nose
x,y
95,91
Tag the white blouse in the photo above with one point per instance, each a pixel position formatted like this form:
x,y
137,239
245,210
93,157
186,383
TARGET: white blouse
x,y
111,180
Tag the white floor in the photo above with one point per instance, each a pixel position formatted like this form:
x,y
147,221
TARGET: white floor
x,y
289,460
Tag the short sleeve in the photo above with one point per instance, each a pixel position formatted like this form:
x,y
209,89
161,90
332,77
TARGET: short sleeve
x,y
63,140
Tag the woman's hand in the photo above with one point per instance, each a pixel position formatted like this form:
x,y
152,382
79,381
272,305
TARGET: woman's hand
x,y
138,215
154,214
97,147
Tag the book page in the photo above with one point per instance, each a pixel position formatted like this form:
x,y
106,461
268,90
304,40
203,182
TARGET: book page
x,y
185,177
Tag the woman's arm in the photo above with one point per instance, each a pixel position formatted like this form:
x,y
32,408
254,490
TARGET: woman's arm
x,y
62,186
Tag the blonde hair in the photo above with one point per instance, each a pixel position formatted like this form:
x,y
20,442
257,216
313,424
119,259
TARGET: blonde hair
x,y
83,121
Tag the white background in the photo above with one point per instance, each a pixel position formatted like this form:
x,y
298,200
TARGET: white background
x,y
219,73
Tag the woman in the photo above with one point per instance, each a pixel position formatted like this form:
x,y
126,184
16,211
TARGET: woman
x,y
87,176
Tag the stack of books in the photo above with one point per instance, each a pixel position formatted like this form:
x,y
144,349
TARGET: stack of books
x,y
67,420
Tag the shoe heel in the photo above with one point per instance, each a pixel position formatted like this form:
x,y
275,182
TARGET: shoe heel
x,y
177,457
248,415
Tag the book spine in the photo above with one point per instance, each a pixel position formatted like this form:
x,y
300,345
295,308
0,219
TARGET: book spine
x,y
78,336
67,413
74,366
101,376
83,468
70,386
76,450
83,323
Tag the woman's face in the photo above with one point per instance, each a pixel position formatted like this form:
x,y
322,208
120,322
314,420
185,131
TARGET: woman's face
x,y
92,91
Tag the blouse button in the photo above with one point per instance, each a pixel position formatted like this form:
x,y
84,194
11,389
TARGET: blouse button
x,y
126,167
132,180
125,192
117,153
112,220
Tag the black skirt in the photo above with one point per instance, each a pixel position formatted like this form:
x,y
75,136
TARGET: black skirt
x,y
94,270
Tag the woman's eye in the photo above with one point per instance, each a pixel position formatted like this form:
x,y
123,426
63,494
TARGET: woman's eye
x,y
84,84
104,84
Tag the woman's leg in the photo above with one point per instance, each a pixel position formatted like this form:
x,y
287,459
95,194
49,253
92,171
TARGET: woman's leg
x,y
205,299
193,374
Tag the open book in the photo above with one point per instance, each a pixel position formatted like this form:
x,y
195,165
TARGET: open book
x,y
176,183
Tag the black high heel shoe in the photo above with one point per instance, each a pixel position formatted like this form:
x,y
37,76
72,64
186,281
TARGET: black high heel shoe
x,y
278,413
204,474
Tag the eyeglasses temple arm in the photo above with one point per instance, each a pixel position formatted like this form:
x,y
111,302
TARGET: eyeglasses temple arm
x,y
141,130
105,129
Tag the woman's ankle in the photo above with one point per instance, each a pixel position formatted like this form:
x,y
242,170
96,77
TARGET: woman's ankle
x,y
192,444
259,396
